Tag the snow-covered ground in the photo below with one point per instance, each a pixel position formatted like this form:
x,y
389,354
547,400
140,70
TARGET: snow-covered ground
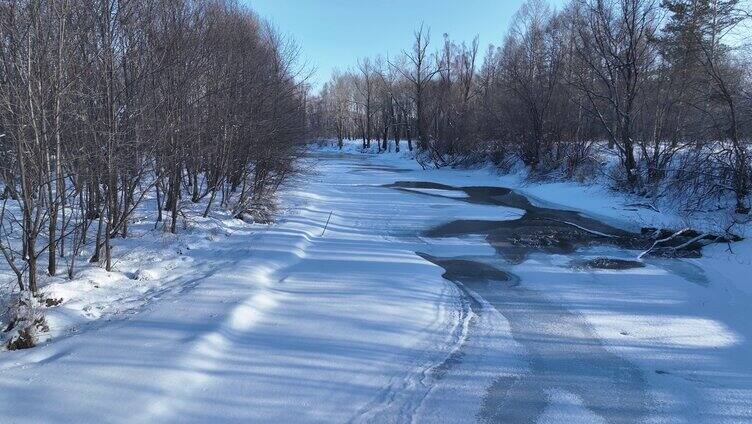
x,y
329,315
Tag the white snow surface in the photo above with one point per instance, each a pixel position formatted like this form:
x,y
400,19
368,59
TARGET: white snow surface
x,y
439,192
292,322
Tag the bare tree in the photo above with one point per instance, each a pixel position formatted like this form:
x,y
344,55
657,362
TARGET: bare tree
x,y
419,72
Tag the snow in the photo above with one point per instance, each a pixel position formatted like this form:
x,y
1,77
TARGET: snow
x,y
231,322
439,192
569,409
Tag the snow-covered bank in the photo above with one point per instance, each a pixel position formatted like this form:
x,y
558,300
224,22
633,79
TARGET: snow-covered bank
x,y
147,264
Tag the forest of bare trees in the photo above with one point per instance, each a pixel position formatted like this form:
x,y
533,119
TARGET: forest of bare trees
x,y
655,95
106,102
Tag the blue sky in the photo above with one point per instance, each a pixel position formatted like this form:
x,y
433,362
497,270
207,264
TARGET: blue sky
x,y
336,33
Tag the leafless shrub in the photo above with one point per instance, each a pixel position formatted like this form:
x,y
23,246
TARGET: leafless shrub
x,y
25,322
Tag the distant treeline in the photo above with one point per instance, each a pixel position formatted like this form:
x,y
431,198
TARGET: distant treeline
x,y
665,85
